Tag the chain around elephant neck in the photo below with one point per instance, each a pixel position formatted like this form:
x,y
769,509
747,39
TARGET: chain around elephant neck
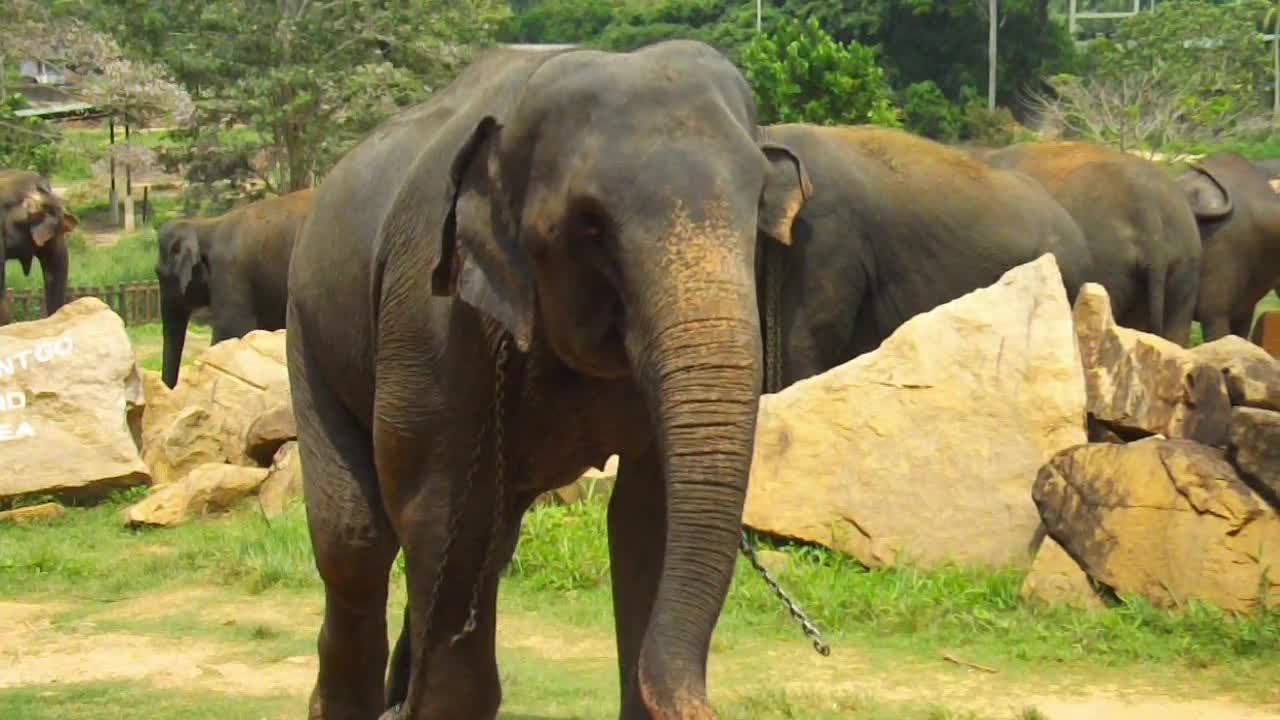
x,y
773,260
492,419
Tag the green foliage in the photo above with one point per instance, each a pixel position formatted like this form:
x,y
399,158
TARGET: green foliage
x,y
929,113
800,74
560,21
26,143
310,79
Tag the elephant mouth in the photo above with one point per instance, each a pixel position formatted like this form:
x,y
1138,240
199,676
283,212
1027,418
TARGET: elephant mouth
x,y
599,346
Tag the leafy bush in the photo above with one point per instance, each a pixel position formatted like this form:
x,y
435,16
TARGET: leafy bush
x,y
800,74
26,143
929,113
993,128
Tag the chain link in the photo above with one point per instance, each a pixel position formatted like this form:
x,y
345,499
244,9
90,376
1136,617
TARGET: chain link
x,y
810,630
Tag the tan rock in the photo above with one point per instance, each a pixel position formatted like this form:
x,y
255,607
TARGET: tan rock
x,y
1255,449
1140,384
284,481
206,418
269,431
68,386
1168,520
1252,375
42,513
925,449
1056,579
209,489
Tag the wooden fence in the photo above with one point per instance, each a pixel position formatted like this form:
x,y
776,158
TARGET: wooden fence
x,y
137,303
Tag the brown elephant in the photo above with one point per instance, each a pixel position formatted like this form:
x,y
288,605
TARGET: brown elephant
x,y
34,223
1239,219
548,262
1142,235
236,265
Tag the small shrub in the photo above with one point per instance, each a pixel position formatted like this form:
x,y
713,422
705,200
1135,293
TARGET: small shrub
x,y
26,143
929,113
801,74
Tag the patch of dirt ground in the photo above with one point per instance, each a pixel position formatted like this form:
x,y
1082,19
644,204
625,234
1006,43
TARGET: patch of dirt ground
x,y
34,650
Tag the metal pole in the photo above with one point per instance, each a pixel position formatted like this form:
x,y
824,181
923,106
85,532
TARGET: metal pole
x,y
759,14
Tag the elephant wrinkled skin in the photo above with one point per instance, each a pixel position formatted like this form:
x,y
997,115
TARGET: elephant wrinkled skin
x,y
902,224
1141,234
235,264
1239,218
601,211
34,223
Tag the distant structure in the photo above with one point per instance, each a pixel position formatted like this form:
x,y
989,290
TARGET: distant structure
x,y
1075,14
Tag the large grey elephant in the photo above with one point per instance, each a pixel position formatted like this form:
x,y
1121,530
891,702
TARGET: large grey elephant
x,y
900,225
548,262
236,265
34,223
1141,233
1239,218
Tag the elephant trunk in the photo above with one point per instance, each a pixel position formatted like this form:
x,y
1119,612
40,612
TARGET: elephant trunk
x,y
700,365
174,315
54,266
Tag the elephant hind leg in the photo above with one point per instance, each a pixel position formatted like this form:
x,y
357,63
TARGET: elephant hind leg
x,y
354,548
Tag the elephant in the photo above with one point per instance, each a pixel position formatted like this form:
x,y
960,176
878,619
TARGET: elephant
x,y
35,224
1239,220
548,262
900,224
1141,233
235,265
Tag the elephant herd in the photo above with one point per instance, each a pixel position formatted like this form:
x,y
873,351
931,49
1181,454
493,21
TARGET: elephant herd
x,y
566,255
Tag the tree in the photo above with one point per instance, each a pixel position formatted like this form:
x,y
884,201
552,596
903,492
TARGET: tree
x,y
1188,70
800,74
306,78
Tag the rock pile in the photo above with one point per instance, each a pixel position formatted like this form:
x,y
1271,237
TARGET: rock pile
x,y
225,433
1176,497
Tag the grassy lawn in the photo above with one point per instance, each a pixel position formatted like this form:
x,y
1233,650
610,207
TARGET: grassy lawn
x,y
148,344
241,592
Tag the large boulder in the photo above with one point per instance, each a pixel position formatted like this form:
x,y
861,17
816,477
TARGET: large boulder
x,y
1169,520
1252,375
69,387
1255,449
925,449
206,418
1140,384
209,489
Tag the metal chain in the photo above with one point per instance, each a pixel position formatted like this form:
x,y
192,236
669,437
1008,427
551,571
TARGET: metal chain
x,y
810,630
499,507
455,520
773,259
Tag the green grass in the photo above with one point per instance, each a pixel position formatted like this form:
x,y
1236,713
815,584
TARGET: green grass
x,y
561,569
148,344
118,701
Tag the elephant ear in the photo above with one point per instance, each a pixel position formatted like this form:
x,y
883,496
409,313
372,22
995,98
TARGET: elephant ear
x,y
189,256
787,188
1208,198
480,258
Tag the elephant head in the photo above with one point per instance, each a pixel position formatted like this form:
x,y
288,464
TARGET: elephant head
x,y
34,223
610,217
182,270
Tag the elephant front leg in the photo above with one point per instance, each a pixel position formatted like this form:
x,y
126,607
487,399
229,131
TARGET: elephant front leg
x,y
451,674
637,541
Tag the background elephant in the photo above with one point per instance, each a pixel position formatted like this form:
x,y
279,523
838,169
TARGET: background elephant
x,y
548,262
1239,219
1141,234
897,226
34,223
235,264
